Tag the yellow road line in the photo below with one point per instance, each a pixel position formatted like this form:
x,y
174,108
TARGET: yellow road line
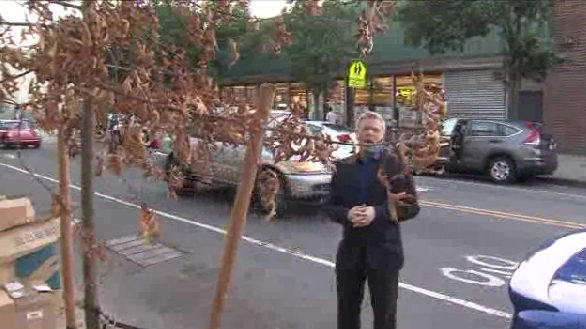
x,y
504,215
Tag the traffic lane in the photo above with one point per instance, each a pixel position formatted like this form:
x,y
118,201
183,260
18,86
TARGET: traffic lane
x,y
270,289
454,235
526,184
542,204
43,160
537,204
467,255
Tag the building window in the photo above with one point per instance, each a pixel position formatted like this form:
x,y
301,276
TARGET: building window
x,y
281,96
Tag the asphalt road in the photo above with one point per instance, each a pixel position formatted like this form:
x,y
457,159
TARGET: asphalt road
x,y
460,251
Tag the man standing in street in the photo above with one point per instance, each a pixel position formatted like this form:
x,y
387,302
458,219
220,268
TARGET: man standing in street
x,y
370,194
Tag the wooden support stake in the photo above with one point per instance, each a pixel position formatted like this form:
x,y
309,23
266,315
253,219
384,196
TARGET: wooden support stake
x,y
88,239
241,203
67,255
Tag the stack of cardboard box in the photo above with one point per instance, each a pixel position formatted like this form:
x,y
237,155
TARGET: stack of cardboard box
x,y
29,266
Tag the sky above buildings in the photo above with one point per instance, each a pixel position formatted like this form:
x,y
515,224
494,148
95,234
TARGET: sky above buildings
x,y
14,11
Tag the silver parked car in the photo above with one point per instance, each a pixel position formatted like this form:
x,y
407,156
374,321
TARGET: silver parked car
x,y
300,181
505,150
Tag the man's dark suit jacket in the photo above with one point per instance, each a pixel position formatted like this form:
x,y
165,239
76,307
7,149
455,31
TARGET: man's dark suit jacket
x,y
378,245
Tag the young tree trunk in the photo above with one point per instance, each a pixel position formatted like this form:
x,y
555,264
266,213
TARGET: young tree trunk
x,y
88,239
317,105
350,97
513,87
241,203
67,254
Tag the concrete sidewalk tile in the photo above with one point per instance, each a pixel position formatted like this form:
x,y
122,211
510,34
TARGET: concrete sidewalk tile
x,y
571,167
79,318
571,171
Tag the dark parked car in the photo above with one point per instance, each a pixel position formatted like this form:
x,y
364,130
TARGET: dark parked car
x,y
505,150
18,133
548,289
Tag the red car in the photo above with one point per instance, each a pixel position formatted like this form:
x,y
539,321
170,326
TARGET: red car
x,y
18,133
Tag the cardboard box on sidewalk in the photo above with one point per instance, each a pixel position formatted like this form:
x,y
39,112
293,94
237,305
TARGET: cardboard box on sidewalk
x,y
7,311
29,253
27,306
14,212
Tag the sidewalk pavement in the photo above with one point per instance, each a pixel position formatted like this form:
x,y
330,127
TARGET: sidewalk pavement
x,y
571,171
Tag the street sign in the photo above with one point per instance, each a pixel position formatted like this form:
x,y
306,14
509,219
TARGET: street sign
x,y
357,74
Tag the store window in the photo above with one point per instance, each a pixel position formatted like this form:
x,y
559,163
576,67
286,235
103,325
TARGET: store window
x,y
251,94
405,90
336,101
226,93
382,97
300,95
382,91
361,96
239,94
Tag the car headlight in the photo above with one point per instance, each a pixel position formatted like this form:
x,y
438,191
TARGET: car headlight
x,y
301,167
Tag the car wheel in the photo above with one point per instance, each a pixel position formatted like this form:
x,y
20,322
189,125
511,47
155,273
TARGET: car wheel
x,y
190,183
263,191
37,145
502,170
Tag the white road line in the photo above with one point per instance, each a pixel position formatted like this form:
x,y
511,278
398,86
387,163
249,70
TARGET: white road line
x,y
510,188
270,246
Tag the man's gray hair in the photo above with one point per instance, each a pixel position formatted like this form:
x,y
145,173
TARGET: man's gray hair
x,y
370,115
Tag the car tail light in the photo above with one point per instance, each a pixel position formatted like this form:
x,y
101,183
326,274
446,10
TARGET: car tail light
x,y
344,138
533,138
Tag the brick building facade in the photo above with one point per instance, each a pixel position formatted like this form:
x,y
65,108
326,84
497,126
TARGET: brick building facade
x,y
564,92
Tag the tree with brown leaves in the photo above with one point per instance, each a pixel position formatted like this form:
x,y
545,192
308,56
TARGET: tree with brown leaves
x,y
108,57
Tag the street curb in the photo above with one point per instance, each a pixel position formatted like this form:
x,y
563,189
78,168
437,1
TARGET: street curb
x,y
563,182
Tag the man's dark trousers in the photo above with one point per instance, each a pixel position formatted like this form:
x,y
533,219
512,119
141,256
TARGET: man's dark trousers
x,y
370,255
383,289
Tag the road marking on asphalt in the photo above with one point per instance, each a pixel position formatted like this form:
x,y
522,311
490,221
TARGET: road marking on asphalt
x,y
9,155
485,276
503,215
510,188
270,246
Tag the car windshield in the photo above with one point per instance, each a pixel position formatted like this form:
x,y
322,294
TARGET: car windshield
x,y
448,126
14,125
574,270
337,127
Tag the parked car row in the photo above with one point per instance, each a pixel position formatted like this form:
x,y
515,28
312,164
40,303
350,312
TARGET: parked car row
x,y
505,150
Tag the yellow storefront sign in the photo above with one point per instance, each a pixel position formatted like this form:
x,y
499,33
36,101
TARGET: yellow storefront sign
x,y
357,74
